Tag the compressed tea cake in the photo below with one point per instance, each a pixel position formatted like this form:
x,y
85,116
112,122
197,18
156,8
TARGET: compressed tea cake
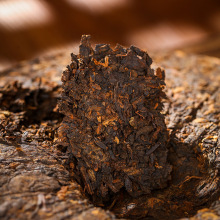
x,y
113,127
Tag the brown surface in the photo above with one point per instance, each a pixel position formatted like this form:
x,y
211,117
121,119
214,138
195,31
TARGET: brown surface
x,y
111,100
36,181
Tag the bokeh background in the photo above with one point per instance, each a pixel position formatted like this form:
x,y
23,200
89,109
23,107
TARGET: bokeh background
x,y
30,28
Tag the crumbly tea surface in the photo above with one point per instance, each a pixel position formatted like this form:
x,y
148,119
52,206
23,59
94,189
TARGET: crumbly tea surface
x,y
111,100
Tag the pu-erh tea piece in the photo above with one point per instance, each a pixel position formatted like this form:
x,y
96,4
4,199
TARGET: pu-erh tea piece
x,y
113,127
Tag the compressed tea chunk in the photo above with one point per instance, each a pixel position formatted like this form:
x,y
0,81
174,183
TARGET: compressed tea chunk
x,y
113,127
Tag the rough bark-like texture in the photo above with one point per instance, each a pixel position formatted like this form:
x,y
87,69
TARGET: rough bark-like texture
x,y
37,179
111,100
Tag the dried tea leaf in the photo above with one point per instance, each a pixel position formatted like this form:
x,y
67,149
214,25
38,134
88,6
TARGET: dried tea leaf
x,y
112,121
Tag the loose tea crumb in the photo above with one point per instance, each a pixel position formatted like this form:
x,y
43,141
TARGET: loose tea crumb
x,y
111,100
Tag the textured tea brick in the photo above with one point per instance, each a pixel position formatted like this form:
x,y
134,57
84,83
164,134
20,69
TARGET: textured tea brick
x,y
111,100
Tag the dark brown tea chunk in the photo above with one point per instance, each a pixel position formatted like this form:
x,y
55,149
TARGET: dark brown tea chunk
x,y
111,100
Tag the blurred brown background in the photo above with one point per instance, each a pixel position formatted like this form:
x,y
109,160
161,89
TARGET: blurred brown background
x,y
29,28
